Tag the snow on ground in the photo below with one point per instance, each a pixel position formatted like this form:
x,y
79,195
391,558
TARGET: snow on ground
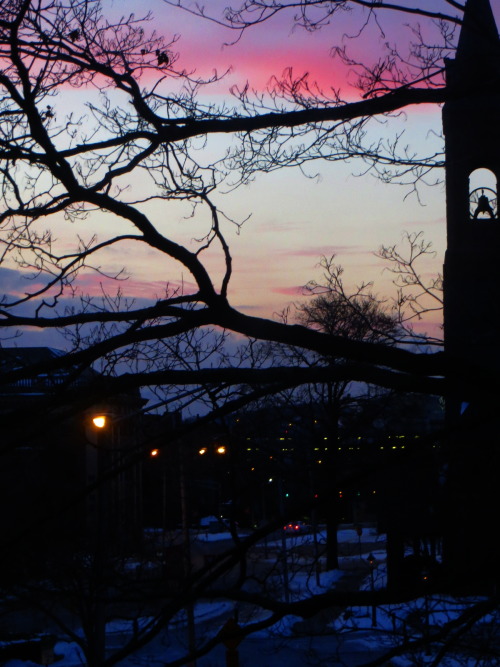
x,y
301,584
368,631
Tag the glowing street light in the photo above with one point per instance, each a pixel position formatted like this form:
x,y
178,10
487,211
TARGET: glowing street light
x,y
218,449
99,421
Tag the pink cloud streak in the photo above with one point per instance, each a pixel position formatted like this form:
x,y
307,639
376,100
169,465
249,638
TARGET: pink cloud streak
x,y
294,290
93,284
326,251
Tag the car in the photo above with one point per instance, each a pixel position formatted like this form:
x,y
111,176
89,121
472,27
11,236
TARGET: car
x,y
296,528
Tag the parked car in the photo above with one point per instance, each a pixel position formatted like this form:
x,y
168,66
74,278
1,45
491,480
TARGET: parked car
x,y
297,528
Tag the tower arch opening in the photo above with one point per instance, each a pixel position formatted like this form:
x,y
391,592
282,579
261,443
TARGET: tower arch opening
x,y
483,195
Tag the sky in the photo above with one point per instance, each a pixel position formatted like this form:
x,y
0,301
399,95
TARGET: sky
x,y
293,218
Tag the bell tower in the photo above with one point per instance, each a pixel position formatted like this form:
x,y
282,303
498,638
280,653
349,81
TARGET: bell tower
x,y
471,122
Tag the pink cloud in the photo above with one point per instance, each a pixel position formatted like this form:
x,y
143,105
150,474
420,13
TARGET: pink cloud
x,y
93,284
289,291
326,251
261,66
262,52
274,45
430,327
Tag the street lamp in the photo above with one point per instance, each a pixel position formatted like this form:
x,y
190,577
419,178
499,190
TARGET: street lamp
x,y
160,456
99,421
218,449
114,479
216,457
99,520
116,501
98,462
372,563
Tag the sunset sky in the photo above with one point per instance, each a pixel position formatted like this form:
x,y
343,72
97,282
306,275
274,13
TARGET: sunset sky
x,y
294,220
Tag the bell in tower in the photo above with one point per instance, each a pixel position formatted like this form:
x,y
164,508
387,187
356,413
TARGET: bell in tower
x,y
471,302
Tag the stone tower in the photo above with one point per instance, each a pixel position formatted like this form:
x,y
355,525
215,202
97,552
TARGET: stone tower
x,y
471,122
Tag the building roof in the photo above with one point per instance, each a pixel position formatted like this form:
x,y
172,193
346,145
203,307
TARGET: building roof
x,y
12,358
40,383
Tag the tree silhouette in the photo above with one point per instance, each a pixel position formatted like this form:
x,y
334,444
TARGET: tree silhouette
x,y
74,165
146,116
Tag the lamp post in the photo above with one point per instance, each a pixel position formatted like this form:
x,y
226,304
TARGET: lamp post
x,y
100,520
108,481
112,432
425,582
161,456
97,460
213,452
372,563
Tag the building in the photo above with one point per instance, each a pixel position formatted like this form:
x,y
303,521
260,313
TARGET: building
x,y
471,306
64,482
